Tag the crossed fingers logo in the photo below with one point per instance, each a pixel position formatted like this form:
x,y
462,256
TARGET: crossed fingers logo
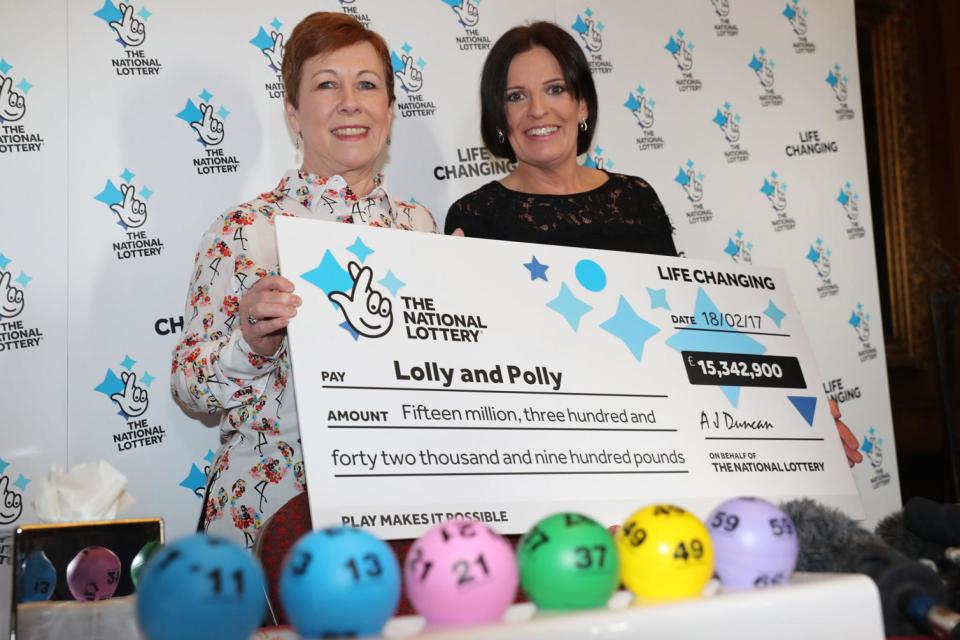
x,y
369,312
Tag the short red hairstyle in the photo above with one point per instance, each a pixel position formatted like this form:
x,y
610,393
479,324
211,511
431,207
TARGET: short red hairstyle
x,y
323,32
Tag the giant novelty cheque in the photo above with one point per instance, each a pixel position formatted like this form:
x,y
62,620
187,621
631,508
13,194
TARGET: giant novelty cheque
x,y
440,377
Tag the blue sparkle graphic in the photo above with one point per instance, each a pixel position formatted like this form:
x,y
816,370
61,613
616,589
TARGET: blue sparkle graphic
x,y
195,481
190,112
406,48
806,405
329,275
3,466
767,189
4,261
569,306
109,12
111,384
353,332
421,63
109,195
579,26
205,95
147,379
658,299
262,40
774,313
127,175
210,457
755,63
359,249
223,113
22,482
144,13
5,66
538,270
276,24
146,192
731,249
632,103
720,119
128,363
813,255
396,62
24,86
682,178
725,340
23,279
630,328
392,283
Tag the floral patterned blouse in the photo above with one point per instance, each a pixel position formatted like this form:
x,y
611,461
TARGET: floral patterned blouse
x,y
259,465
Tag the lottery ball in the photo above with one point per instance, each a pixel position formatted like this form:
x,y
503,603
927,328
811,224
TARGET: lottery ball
x,y
339,582
140,560
93,574
201,587
461,572
755,543
38,577
568,561
665,553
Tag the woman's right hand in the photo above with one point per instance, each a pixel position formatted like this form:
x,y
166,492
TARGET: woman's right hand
x,y
265,310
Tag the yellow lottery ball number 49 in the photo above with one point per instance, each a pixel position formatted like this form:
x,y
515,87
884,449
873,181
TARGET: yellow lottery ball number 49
x,y
665,553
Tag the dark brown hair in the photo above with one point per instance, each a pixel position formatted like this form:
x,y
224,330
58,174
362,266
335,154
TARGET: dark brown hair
x,y
323,32
493,81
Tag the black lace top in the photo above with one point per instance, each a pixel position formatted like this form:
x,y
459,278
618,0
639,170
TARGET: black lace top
x,y
622,214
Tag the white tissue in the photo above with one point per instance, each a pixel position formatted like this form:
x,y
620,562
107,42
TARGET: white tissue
x,y
92,491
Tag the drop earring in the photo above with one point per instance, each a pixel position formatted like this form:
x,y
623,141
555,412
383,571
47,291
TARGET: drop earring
x,y
500,137
583,125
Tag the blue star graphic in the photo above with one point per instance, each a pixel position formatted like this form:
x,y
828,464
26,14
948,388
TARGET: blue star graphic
x,y
725,340
24,86
359,249
190,112
205,95
329,276
128,363
127,175
5,66
421,63
731,249
392,283
658,299
774,313
569,306
353,332
195,480
109,195
110,385
146,192
109,12
147,379
223,113
23,279
538,270
680,33
144,13
632,330
261,40
813,255
210,457
867,446
4,261
276,24
406,48
3,465
22,482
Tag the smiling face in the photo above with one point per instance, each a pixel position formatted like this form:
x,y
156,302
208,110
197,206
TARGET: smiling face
x,y
542,114
344,111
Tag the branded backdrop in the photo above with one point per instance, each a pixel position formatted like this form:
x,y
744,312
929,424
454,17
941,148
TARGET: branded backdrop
x,y
129,127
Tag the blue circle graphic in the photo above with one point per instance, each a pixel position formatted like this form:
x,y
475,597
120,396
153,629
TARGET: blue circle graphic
x,y
591,275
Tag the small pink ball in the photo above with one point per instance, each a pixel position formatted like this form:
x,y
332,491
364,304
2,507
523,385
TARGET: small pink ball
x,y
93,574
461,572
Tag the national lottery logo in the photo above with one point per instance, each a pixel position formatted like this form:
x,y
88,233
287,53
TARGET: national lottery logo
x,y
819,256
860,321
409,72
724,27
16,333
762,66
596,159
11,496
775,190
467,13
129,25
692,182
838,81
850,201
14,136
728,121
353,9
872,448
129,394
589,31
641,106
680,48
739,249
797,17
127,204
269,41
208,126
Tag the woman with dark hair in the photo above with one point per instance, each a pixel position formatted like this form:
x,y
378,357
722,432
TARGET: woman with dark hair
x,y
232,358
539,109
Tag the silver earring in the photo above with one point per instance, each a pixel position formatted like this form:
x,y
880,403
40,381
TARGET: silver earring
x,y
298,141
583,125
500,137
389,140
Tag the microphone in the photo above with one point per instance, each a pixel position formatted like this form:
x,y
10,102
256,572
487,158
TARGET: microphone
x,y
912,596
933,521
